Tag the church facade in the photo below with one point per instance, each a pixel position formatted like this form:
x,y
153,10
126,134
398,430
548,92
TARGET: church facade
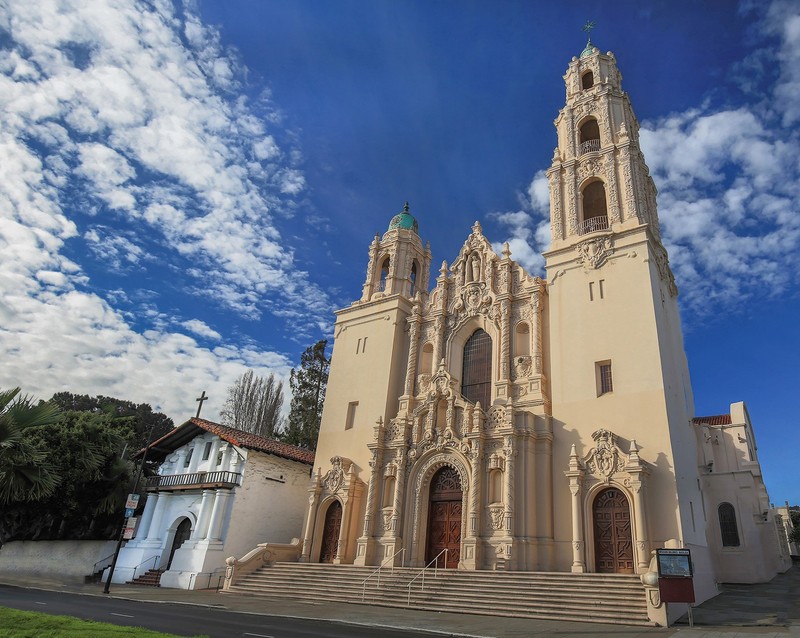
x,y
491,419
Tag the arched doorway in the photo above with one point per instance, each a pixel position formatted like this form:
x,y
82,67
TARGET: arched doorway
x,y
181,536
444,516
613,545
330,533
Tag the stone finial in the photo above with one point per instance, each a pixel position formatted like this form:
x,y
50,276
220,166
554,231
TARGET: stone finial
x,y
443,269
476,228
506,251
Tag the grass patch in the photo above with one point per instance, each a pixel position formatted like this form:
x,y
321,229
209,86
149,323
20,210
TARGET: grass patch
x,y
32,624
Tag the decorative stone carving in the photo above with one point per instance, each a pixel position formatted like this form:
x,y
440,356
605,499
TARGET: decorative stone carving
x,y
387,519
662,261
423,383
604,459
522,366
593,253
590,167
495,517
497,415
391,433
334,478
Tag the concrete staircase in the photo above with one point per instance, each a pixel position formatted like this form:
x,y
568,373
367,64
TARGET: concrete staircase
x,y
151,578
603,598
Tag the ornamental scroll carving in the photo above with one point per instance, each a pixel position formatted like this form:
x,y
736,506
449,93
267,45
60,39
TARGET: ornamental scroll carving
x,y
495,517
522,366
334,477
662,261
593,253
605,459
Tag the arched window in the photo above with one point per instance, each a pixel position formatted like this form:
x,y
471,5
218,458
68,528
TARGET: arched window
x,y
589,136
727,525
587,80
595,210
384,274
413,279
426,359
476,383
522,340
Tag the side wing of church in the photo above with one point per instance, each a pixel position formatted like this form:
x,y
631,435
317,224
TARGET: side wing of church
x,y
500,421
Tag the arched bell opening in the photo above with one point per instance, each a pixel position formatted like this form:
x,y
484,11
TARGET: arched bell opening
x,y
594,209
589,140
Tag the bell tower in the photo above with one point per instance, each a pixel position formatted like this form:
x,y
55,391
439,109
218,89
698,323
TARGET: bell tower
x,y
617,362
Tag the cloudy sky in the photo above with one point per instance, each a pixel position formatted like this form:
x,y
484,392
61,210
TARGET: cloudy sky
x,y
189,190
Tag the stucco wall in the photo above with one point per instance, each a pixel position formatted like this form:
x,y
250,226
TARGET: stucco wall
x,y
64,560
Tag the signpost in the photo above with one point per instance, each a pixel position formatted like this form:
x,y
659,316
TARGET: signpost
x,y
676,577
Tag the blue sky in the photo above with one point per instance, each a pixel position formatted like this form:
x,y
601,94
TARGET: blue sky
x,y
190,190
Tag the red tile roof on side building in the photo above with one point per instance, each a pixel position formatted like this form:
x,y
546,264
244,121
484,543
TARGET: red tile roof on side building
x,y
184,433
717,419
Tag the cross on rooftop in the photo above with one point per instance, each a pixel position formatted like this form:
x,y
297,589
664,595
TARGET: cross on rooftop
x,y
200,399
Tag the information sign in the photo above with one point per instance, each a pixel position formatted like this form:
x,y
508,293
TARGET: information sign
x,y
129,512
674,563
132,502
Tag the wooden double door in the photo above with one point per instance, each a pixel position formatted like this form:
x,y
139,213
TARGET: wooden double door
x,y
444,517
330,533
613,544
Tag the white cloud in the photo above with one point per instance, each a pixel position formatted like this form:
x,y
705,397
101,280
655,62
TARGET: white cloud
x,y
105,110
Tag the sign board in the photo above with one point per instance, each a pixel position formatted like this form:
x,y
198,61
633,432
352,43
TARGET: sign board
x,y
675,571
129,512
127,533
674,563
132,502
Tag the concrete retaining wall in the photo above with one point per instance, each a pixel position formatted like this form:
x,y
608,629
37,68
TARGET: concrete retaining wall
x,y
65,560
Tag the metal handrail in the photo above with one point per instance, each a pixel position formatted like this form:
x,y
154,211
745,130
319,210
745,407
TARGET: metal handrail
x,y
102,560
589,146
143,562
435,563
593,224
378,571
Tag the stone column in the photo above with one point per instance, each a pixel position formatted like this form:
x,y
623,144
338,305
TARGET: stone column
x,y
536,329
505,335
218,515
412,351
154,533
509,484
399,492
575,475
147,516
311,519
206,504
439,344
475,497
642,553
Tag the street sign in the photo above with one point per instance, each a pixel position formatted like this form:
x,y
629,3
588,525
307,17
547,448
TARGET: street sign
x,y
127,534
132,502
129,512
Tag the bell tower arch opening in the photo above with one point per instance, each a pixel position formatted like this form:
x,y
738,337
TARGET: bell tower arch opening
x,y
589,137
594,208
476,383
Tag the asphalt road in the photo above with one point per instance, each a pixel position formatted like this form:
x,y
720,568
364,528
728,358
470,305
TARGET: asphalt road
x,y
185,620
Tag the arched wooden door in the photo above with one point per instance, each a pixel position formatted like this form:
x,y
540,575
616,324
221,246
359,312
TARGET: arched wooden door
x,y
613,545
330,533
444,517
182,534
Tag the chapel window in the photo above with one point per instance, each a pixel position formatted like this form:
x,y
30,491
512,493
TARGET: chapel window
x,y
413,279
595,211
605,381
476,381
522,340
207,450
188,458
589,137
727,525
587,80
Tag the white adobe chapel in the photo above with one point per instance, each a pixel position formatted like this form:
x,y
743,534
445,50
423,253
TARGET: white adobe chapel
x,y
219,491
531,424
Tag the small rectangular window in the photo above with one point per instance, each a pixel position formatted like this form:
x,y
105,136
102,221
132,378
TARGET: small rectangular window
x,y
188,458
219,457
364,347
591,291
600,286
207,451
605,383
351,414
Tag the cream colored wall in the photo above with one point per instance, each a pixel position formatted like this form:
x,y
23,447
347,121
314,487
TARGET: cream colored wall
x,y
373,377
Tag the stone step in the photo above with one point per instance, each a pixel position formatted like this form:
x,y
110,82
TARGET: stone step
x,y
609,598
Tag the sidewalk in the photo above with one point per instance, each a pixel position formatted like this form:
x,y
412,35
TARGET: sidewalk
x,y
768,610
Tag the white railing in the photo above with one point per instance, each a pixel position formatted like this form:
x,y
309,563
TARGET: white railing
x,y
589,146
435,563
377,572
593,224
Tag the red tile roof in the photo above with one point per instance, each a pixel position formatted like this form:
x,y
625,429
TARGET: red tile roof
x,y
181,435
717,419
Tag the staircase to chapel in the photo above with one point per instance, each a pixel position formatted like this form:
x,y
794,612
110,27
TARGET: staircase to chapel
x,y
151,578
601,598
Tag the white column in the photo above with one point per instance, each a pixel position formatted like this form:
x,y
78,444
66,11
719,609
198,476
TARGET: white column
x,y
577,528
147,516
204,516
218,515
155,531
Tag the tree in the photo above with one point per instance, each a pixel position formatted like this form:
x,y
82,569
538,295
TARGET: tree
x,y
308,385
254,405
794,513
25,473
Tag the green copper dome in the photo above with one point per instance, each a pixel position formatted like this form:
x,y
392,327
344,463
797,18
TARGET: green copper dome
x,y
404,221
588,50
